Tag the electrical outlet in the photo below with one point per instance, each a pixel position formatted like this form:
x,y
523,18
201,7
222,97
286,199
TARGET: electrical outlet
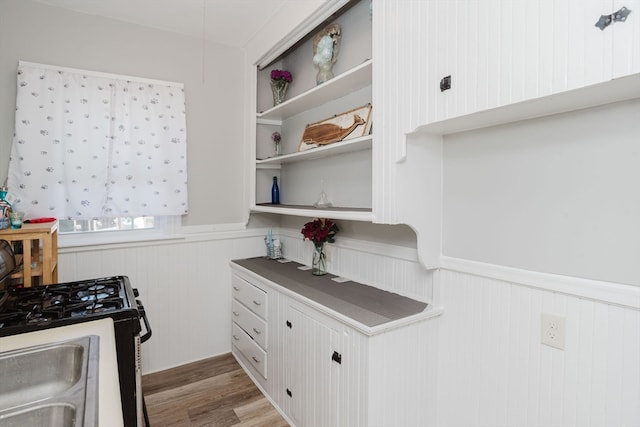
x,y
552,331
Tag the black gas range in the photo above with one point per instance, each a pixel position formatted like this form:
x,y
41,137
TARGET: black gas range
x,y
41,307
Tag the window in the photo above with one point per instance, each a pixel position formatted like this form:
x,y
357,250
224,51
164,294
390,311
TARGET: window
x,y
94,145
106,224
119,230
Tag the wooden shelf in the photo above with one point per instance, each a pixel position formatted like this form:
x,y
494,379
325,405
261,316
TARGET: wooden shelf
x,y
35,271
33,236
347,82
349,146
346,213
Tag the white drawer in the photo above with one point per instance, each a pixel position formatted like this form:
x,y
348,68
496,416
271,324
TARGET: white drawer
x,y
253,298
250,322
256,356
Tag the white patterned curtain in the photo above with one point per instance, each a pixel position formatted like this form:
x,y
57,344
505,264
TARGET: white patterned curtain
x,y
91,145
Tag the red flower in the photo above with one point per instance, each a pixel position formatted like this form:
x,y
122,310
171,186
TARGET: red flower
x,y
320,231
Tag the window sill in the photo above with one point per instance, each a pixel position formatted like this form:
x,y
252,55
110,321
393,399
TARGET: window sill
x,y
110,239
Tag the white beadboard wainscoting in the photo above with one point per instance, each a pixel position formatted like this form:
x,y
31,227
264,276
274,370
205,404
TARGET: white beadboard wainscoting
x,y
183,284
484,355
493,370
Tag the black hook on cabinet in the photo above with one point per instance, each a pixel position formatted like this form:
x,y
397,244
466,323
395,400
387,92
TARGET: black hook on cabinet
x,y
619,16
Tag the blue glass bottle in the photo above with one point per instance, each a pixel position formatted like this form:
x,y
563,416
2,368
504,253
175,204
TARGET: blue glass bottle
x,y
275,192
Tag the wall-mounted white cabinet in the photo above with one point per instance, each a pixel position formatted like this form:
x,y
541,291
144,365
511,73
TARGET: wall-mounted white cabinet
x,y
500,53
507,61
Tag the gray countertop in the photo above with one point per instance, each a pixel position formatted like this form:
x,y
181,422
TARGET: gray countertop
x,y
365,304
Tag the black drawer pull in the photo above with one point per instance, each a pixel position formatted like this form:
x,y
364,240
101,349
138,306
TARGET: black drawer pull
x,y
337,357
288,324
289,393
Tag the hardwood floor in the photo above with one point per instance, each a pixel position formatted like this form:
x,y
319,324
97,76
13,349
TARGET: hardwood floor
x,y
212,392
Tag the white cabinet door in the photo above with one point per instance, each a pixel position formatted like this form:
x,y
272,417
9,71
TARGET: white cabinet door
x,y
582,52
626,39
496,52
311,376
499,53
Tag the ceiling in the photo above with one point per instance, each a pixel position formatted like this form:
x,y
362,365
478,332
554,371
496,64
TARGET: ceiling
x,y
229,22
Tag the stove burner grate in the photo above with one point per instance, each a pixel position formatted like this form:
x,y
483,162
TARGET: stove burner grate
x,y
44,305
87,307
96,291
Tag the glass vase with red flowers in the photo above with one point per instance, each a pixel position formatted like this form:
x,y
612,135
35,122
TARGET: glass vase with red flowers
x,y
319,231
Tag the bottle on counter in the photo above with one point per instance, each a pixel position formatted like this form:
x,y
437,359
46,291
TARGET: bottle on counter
x,y
275,192
5,208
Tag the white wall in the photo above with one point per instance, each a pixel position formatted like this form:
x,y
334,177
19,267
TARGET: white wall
x,y
213,78
556,195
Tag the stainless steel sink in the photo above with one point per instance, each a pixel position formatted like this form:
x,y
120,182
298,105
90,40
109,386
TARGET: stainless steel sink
x,y
39,372
59,415
50,385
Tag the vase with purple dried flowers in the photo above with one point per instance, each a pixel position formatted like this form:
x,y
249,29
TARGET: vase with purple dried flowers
x,y
280,80
276,138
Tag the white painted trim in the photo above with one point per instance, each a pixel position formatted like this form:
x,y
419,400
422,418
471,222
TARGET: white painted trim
x,y
112,239
613,293
221,232
101,74
187,234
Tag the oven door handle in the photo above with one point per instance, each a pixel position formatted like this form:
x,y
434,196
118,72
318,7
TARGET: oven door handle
x,y
143,314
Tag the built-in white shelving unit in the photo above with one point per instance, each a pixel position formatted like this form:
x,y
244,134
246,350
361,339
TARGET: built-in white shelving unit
x,y
343,169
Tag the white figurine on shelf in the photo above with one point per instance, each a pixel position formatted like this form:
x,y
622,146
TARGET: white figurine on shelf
x,y
326,45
